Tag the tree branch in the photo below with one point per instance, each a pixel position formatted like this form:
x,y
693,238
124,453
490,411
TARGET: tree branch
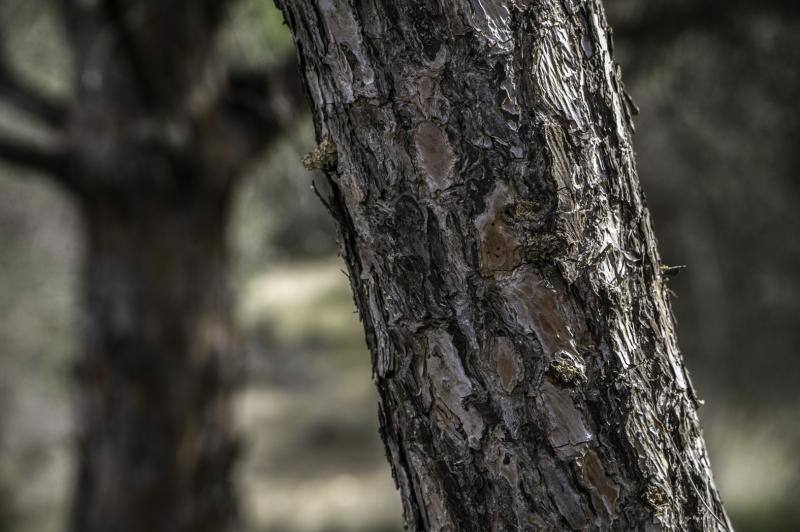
x,y
49,159
133,54
144,55
29,101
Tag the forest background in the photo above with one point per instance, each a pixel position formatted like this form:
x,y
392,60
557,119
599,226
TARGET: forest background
x,y
717,143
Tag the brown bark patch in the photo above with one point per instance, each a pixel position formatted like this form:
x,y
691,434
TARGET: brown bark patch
x,y
499,243
509,365
434,154
604,491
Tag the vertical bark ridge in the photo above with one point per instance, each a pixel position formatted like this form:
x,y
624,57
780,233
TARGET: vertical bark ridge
x,y
504,265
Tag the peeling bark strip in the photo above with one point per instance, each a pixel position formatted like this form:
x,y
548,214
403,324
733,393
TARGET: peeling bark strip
x,y
504,266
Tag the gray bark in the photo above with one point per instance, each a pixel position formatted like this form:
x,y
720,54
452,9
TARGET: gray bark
x,y
504,265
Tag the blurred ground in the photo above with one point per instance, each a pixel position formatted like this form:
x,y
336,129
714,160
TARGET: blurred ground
x,y
717,150
316,461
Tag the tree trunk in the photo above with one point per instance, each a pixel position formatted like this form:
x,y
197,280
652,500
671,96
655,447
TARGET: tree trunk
x,y
153,160
152,146
504,265
158,369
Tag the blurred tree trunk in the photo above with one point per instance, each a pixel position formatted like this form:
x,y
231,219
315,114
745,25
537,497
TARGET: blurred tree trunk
x,y
158,367
504,265
152,148
153,170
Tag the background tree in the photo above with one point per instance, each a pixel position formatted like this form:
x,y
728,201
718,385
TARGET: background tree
x,y
504,266
152,148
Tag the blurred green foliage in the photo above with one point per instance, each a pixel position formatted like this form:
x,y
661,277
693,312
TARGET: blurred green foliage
x,y
255,35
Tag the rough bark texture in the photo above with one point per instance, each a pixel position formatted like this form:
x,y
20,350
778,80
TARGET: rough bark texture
x,y
504,265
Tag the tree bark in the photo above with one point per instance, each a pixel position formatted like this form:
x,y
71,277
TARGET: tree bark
x,y
504,265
